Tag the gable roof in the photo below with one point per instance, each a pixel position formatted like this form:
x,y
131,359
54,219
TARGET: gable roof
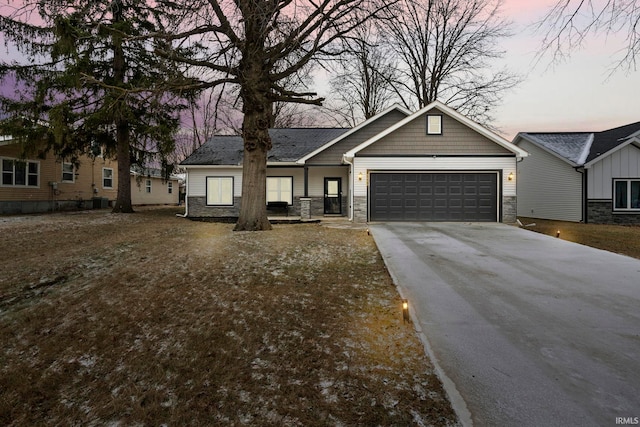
x,y
355,129
584,148
289,145
606,141
451,113
571,147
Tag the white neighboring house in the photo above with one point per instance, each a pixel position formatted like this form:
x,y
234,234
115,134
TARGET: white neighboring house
x,y
581,176
149,187
432,165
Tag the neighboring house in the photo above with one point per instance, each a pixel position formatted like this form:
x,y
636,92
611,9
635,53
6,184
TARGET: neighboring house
x,y
581,176
50,184
433,165
149,187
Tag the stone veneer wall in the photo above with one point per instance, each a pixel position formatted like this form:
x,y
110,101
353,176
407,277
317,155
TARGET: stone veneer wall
x,y
509,209
601,212
359,209
198,209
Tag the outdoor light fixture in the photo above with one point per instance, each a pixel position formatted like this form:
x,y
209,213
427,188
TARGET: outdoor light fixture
x,y
359,176
510,176
405,311
558,233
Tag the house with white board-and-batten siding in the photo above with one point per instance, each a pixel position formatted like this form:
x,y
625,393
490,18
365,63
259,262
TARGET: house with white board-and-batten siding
x,y
432,165
581,176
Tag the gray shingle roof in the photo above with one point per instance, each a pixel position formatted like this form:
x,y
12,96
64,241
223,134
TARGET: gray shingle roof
x,y
289,145
582,147
572,146
608,139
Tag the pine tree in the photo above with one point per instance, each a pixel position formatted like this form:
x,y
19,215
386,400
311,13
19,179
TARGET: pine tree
x,y
89,77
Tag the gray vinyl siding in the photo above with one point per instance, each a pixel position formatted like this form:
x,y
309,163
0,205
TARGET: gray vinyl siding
x,y
624,163
412,139
548,188
333,155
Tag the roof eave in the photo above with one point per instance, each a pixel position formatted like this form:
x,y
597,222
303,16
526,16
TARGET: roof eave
x,y
353,130
523,135
210,166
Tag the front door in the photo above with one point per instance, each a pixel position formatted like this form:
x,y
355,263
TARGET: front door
x,y
333,196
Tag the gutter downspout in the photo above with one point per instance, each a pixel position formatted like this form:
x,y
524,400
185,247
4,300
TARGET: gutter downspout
x,y
346,160
186,198
581,170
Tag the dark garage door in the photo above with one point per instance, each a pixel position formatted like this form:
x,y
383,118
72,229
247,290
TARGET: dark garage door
x,y
434,197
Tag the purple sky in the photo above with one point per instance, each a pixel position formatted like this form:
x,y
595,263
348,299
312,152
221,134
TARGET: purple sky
x,y
578,94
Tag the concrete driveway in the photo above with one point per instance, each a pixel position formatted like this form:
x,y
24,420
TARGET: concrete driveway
x,y
530,330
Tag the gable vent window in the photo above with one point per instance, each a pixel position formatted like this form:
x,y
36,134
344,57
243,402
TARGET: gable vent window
x,y
434,124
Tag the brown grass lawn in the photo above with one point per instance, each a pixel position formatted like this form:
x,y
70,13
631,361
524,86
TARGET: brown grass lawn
x,y
622,239
150,319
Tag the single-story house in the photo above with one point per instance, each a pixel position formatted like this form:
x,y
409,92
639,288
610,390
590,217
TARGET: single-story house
x,y
432,165
581,176
47,183
150,187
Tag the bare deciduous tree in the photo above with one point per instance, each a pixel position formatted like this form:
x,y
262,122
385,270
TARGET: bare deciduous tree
x,y
569,22
361,86
445,50
257,46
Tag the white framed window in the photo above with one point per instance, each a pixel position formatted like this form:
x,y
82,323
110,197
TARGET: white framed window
x,y
280,189
68,172
19,173
170,187
626,195
147,185
107,178
219,191
434,124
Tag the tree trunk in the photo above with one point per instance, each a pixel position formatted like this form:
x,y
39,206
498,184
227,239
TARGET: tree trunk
x,y
257,143
123,201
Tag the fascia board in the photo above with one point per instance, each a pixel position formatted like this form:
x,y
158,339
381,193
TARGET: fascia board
x,y
211,166
451,113
354,130
296,164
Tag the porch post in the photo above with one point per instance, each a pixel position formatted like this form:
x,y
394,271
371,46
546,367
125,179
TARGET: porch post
x,y
306,181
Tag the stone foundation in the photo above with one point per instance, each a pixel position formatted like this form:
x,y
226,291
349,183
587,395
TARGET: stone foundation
x,y
198,209
359,209
20,207
509,209
601,212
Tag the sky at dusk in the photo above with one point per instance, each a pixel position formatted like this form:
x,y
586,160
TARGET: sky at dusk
x,y
580,94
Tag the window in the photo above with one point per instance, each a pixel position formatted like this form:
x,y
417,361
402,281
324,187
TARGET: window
x,y
68,172
20,173
434,124
280,189
626,194
170,187
220,190
148,185
107,178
